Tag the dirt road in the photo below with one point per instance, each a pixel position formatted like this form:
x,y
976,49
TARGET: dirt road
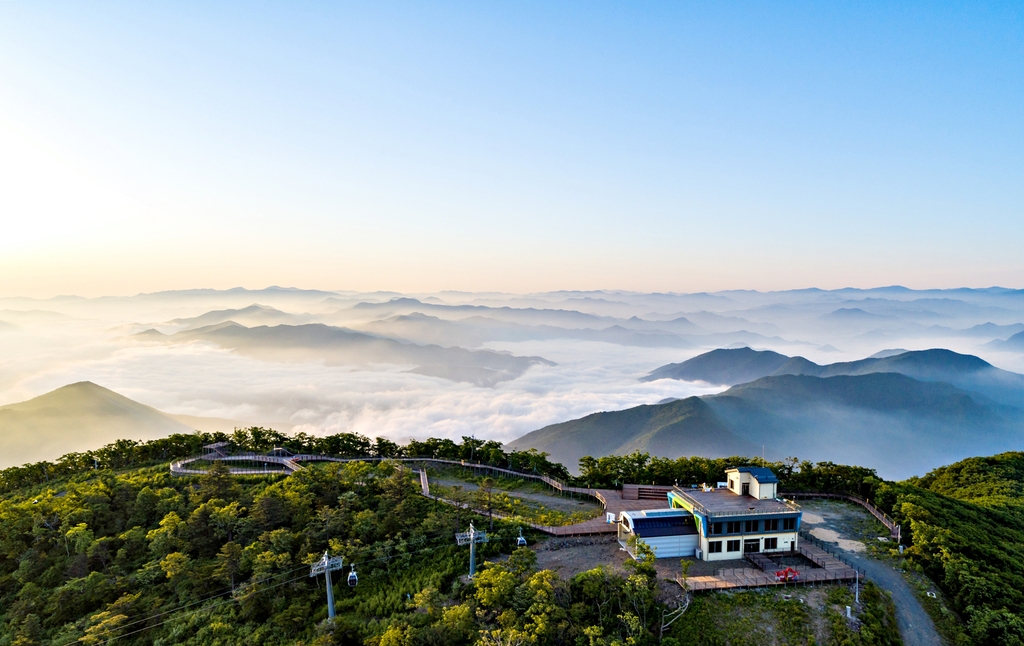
x,y
852,526
916,627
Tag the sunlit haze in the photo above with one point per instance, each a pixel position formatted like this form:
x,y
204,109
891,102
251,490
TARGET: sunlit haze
x,y
509,147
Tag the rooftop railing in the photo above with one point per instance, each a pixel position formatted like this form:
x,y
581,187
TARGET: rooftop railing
x,y
723,513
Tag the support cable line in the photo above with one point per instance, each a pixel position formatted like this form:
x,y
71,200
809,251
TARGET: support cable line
x,y
175,618
203,600
229,591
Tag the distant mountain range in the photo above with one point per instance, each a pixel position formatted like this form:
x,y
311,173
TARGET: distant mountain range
x,y
254,314
901,414
82,416
1015,343
729,367
340,346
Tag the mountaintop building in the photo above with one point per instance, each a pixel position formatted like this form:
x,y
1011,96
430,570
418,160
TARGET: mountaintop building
x,y
719,523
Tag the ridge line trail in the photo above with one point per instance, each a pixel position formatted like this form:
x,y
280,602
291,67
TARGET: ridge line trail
x,y
915,625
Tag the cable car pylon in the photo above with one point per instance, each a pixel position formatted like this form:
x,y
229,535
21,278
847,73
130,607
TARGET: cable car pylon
x,y
325,566
472,537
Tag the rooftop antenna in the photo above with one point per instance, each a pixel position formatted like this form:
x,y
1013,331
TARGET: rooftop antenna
x,y
472,537
325,566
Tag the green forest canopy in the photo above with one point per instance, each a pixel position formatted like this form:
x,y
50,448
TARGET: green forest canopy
x,y
87,554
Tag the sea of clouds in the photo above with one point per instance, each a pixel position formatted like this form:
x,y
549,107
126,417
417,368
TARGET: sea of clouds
x,y
92,341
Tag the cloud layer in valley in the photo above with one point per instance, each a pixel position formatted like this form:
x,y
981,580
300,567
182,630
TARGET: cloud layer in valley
x,y
596,345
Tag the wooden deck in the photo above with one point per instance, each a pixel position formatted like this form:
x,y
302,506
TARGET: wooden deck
x,y
829,569
611,499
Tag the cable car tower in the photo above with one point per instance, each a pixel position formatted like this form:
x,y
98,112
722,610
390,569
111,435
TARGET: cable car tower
x,y
472,537
325,566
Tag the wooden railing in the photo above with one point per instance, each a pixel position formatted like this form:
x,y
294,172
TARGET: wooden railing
x,y
291,465
890,524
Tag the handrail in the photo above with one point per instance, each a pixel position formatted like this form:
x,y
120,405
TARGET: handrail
x,y
890,524
723,514
291,465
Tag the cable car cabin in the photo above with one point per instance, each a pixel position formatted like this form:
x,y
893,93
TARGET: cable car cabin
x,y
353,579
668,532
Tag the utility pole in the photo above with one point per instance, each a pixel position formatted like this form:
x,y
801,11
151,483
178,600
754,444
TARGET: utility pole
x,y
325,566
472,537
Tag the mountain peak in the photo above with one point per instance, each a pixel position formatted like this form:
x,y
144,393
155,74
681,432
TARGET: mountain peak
x,y
77,417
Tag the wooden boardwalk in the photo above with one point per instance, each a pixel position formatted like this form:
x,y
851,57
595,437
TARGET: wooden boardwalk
x,y
287,464
610,498
828,569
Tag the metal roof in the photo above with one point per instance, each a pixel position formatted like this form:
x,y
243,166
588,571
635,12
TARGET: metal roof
x,y
761,474
649,527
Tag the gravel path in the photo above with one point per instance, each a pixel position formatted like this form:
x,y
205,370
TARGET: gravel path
x,y
852,525
916,627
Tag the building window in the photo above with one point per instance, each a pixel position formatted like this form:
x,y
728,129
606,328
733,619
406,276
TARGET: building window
x,y
714,547
716,528
771,543
789,523
750,526
733,546
732,527
771,525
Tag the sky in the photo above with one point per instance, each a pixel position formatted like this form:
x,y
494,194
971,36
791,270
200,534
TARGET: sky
x,y
509,146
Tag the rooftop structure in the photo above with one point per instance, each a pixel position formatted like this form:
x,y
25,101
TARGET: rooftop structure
x,y
744,517
719,503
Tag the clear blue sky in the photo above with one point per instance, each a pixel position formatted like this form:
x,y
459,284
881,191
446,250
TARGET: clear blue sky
x,y
509,146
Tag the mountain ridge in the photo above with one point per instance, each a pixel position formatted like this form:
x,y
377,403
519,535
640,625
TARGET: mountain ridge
x,y
77,417
901,425
342,346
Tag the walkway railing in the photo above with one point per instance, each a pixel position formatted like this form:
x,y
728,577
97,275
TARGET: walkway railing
x,y
291,465
890,524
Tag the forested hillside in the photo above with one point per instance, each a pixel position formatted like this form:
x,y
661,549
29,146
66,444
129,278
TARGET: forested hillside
x,y
154,559
966,531
109,545
92,554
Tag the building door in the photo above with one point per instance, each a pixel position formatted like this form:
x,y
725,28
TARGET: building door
x,y
746,490
751,545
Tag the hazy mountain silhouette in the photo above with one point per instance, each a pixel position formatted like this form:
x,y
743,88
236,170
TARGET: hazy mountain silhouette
x,y
79,417
723,366
889,421
473,331
731,367
339,346
254,314
1014,343
681,427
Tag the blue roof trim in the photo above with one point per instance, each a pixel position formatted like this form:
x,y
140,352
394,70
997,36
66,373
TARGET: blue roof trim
x,y
762,474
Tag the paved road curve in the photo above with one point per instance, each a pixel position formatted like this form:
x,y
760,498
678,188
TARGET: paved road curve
x,y
916,627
